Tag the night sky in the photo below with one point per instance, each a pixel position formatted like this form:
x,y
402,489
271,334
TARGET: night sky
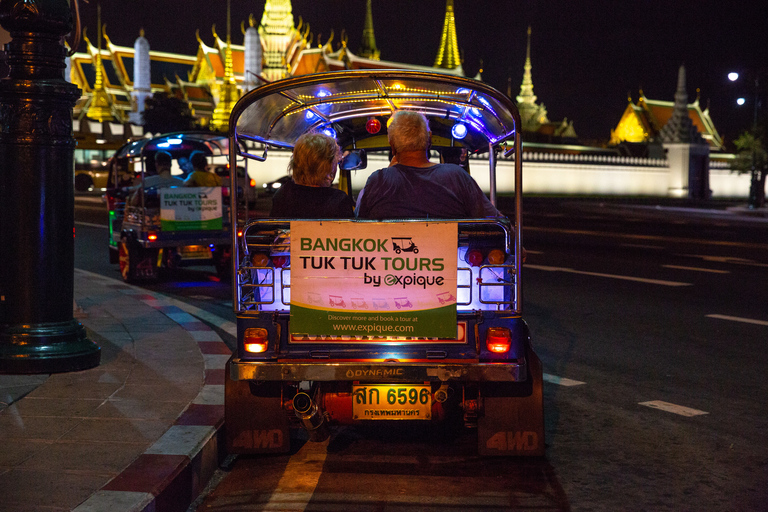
x,y
587,55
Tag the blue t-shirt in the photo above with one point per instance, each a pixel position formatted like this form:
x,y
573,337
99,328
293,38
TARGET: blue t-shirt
x,y
443,191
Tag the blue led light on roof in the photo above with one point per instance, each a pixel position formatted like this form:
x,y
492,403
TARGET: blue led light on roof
x,y
463,90
459,131
310,116
175,141
322,93
328,131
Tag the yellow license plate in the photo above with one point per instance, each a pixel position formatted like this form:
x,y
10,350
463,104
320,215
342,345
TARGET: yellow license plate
x,y
392,402
195,252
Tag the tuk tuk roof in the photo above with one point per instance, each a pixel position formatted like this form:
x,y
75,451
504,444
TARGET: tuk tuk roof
x,y
342,103
177,144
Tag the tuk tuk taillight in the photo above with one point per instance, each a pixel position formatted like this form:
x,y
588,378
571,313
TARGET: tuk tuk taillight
x,y
252,183
259,259
474,257
255,340
496,257
152,237
498,339
281,261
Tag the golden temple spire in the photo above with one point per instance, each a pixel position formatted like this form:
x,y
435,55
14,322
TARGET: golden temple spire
x,y
526,89
228,93
276,32
368,49
448,54
100,108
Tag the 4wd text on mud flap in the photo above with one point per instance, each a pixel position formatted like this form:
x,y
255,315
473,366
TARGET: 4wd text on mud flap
x,y
259,439
509,441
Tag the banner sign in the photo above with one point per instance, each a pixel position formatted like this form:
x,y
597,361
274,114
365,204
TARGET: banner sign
x,y
190,208
373,279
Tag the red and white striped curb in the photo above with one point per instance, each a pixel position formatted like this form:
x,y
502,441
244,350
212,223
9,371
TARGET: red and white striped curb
x,y
172,472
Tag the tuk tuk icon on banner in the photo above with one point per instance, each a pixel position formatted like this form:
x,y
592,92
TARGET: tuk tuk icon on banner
x,y
404,244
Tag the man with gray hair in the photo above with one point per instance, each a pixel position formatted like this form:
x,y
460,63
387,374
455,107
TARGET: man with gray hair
x,y
412,186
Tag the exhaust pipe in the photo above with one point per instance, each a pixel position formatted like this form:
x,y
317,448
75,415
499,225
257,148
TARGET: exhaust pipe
x,y
312,418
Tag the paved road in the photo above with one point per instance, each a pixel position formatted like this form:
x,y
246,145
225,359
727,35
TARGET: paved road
x,y
651,325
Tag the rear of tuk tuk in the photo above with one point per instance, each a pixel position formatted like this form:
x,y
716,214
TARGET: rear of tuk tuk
x,y
158,227
367,320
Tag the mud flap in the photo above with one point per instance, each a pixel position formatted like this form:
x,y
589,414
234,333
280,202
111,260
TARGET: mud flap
x,y
254,423
513,419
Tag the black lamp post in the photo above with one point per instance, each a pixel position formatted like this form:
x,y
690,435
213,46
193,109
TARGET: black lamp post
x,y
38,333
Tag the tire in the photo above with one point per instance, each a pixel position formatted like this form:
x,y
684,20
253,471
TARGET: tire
x,y
83,182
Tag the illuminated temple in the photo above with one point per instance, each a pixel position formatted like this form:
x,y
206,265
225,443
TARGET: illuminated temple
x,y
116,80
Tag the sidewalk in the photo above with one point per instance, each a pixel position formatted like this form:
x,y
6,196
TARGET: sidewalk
x,y
139,432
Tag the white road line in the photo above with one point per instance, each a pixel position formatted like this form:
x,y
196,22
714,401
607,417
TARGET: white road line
x,y
529,251
300,477
726,259
697,269
561,381
675,409
611,276
643,246
91,225
739,319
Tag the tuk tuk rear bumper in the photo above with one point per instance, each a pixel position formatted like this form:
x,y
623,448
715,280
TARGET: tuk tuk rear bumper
x,y
515,371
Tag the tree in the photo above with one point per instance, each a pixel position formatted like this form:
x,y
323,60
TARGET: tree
x,y
164,113
752,157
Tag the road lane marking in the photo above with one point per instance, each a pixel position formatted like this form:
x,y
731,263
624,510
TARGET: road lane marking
x,y
611,276
561,381
302,473
643,246
91,225
675,409
657,238
739,319
726,259
697,269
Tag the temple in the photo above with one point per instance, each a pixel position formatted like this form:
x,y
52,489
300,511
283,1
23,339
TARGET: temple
x,y
535,123
642,122
117,80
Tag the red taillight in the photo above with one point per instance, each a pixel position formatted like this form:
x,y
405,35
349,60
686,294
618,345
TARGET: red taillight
x,y
239,233
281,261
252,183
474,257
255,340
152,237
498,339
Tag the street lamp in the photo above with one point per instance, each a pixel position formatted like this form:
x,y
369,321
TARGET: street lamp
x,y
756,194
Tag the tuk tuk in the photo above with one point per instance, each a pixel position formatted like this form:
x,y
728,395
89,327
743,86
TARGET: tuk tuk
x,y
340,321
152,228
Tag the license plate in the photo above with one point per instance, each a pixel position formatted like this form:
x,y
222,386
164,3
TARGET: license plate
x,y
392,402
195,252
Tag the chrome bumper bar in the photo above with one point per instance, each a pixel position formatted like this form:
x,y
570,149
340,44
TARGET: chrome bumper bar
x,y
377,372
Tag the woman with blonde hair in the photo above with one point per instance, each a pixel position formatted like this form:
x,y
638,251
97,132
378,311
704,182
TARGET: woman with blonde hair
x,y
309,194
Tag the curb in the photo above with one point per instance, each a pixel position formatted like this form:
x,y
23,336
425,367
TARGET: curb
x,y
173,471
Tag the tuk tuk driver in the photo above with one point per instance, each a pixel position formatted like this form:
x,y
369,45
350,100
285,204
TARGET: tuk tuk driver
x,y
200,176
162,178
414,187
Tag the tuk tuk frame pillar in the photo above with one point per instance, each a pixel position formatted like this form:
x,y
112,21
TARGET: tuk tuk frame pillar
x,y
38,333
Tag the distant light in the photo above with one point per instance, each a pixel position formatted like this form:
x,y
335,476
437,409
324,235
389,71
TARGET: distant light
x,y
733,76
101,141
459,131
741,101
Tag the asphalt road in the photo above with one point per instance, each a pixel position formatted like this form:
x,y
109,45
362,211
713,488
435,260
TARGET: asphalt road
x,y
651,324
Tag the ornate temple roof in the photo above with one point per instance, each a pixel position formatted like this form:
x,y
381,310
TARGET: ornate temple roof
x,y
448,53
646,120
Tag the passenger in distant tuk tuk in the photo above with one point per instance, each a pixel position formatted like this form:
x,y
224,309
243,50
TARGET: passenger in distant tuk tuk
x,y
309,194
162,178
414,187
200,176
